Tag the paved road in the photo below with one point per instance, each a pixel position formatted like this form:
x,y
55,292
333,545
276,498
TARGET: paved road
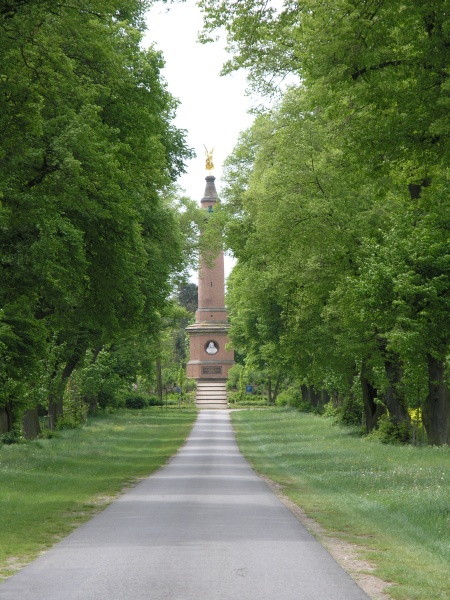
x,y
203,528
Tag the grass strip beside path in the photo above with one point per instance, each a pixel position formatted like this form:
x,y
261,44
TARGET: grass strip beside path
x,y
391,501
48,487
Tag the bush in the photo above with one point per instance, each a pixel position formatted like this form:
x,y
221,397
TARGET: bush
x,y
389,432
136,402
289,397
153,401
253,401
109,400
351,412
10,437
293,397
332,412
67,422
233,397
247,399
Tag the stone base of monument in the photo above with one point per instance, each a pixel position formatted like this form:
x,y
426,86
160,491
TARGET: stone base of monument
x,y
211,394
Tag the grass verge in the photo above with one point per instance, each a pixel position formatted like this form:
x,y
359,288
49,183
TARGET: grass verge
x,y
49,487
393,502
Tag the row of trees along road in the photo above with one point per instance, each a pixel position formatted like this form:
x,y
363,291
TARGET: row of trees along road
x,y
89,239
338,200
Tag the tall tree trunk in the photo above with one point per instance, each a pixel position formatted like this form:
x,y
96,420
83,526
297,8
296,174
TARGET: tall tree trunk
x,y
31,427
55,408
318,398
305,393
272,391
6,420
395,398
372,410
436,407
314,397
276,389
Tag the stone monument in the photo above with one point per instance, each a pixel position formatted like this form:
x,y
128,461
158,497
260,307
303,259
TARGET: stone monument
x,y
209,358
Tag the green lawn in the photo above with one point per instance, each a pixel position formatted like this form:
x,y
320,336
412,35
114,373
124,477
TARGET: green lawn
x,y
392,500
48,487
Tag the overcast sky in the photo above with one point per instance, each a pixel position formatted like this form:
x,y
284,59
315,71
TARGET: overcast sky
x,y
213,108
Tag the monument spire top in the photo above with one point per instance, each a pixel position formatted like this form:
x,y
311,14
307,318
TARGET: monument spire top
x,y
210,195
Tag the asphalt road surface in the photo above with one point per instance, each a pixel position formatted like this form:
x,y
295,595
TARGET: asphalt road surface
x,y
205,527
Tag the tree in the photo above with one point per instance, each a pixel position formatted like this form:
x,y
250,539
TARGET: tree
x,y
88,149
373,100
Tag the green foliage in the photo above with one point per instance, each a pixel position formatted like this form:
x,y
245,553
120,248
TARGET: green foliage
x,y
389,432
331,412
233,376
11,437
348,412
75,408
239,377
153,401
292,397
337,201
351,411
247,400
91,235
136,401
182,380
67,422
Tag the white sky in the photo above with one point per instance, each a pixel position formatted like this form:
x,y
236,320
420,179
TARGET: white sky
x,y
213,108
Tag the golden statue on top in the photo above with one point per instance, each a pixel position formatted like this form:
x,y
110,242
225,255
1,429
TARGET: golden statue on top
x,y
209,159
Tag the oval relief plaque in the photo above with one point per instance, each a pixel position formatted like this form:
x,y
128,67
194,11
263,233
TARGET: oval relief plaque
x,y
211,347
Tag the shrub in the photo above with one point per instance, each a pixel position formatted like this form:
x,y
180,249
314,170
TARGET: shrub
x,y
292,397
110,400
153,401
351,411
332,412
136,402
67,422
389,432
11,437
232,397
247,399
253,401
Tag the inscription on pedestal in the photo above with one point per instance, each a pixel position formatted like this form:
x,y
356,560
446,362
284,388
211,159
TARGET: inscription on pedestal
x,y
211,370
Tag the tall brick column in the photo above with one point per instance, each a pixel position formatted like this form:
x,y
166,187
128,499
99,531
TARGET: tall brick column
x,y
209,360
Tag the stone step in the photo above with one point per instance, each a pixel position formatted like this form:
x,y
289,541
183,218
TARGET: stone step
x,y
211,386
211,394
209,405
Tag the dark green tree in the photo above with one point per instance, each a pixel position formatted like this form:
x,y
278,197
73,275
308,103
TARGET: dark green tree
x,y
88,148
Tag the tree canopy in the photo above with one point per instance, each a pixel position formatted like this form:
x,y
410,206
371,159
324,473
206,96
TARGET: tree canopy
x,y
89,238
338,197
